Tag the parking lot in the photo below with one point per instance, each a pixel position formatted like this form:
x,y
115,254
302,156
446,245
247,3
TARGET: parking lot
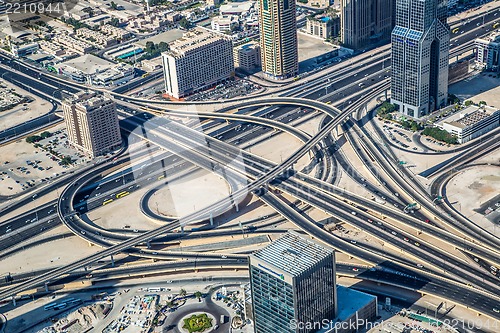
x,y
23,166
398,136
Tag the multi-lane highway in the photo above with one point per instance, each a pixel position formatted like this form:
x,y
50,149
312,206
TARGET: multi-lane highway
x,y
442,274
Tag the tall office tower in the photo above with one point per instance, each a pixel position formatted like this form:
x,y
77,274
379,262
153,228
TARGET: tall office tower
x,y
197,60
363,22
92,123
278,38
420,51
292,280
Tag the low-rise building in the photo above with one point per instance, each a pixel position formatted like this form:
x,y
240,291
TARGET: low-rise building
x,y
225,23
24,49
119,33
237,8
149,22
471,122
96,71
323,27
197,60
318,4
51,48
96,38
247,56
488,52
98,20
214,2
73,44
151,64
80,12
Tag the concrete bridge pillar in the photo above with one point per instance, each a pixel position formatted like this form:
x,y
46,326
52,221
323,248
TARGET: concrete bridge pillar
x,y
13,300
112,261
211,219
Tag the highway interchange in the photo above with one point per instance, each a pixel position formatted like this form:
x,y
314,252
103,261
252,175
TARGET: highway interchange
x,y
216,147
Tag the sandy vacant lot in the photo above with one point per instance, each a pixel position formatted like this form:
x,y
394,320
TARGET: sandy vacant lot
x,y
21,113
473,187
189,194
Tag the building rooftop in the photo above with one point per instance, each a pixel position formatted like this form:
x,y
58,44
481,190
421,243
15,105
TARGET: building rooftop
x,y
236,7
88,99
470,116
192,40
167,37
492,38
348,301
89,64
293,253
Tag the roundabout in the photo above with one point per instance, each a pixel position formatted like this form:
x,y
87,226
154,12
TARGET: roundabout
x,y
196,313
197,322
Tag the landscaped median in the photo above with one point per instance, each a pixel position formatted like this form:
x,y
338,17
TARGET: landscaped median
x,y
201,322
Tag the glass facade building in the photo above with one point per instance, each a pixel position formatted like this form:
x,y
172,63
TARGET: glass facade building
x,y
420,56
292,281
278,38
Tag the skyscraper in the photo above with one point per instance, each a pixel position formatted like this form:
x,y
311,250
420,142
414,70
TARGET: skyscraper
x,y
363,22
278,38
420,56
292,280
92,123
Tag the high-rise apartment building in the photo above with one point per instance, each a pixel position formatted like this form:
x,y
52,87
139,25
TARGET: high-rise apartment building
x,y
292,280
92,123
197,60
363,22
278,38
420,56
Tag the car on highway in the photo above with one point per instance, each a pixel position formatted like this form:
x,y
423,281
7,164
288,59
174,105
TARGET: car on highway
x,y
406,239
420,266
353,213
223,257
496,310
355,269
353,241
417,243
